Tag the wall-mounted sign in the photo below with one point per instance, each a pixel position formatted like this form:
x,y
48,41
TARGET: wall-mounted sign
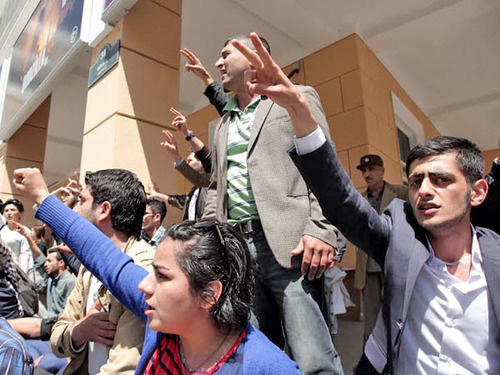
x,y
52,31
108,57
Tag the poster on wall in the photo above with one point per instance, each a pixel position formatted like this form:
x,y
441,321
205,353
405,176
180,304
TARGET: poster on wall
x,y
52,31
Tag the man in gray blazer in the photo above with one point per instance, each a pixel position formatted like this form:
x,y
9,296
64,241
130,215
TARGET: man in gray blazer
x,y
369,277
261,193
441,308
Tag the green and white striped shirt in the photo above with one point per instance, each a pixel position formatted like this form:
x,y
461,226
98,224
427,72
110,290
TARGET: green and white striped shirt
x,y
241,203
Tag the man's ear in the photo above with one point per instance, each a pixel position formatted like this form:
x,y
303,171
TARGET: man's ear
x,y
479,191
212,295
103,211
157,217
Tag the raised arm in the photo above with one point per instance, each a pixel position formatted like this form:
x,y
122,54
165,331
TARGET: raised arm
x,y
170,144
213,91
341,203
119,273
176,201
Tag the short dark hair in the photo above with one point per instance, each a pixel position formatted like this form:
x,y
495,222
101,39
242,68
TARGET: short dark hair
x,y
469,157
54,250
204,258
15,202
245,38
39,232
126,194
158,207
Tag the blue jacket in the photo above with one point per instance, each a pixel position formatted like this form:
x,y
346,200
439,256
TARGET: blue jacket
x,y
121,276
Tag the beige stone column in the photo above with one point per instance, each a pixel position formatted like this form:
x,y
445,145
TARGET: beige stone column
x,y
128,108
26,148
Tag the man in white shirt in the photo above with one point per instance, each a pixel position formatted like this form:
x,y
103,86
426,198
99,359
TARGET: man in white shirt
x,y
441,309
13,210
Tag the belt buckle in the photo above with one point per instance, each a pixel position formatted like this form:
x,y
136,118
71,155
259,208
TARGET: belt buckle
x,y
246,227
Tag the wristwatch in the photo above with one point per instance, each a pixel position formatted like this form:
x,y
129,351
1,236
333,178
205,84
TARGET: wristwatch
x,y
190,136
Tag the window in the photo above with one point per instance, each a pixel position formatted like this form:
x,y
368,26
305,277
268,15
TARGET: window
x,y
410,131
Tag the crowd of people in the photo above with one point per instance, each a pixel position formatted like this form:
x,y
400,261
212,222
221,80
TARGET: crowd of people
x,y
237,287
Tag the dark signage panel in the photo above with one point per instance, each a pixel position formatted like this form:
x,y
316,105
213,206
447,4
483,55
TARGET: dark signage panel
x,y
50,33
108,58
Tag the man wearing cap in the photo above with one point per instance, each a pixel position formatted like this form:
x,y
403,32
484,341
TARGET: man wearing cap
x,y
369,276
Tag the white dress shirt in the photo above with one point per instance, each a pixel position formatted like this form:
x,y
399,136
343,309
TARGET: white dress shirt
x,y
98,353
451,326
309,143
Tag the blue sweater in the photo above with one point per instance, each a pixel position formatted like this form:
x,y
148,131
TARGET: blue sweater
x,y
121,276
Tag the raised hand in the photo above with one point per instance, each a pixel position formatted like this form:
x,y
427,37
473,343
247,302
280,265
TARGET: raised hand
x,y
195,66
30,183
170,145
179,122
21,229
63,248
266,78
69,194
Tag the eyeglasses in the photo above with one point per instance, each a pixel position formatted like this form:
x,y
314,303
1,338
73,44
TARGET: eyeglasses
x,y
209,224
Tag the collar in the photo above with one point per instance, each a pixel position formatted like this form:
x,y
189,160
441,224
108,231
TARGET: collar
x,y
370,194
476,257
232,105
56,279
129,244
158,234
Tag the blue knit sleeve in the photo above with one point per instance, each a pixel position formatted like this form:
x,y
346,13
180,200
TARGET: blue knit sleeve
x,y
97,253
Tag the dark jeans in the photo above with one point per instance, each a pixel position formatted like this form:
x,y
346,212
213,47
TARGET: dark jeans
x,y
286,302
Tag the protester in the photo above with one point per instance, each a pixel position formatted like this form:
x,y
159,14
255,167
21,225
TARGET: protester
x,y
153,232
194,169
16,242
38,236
213,91
257,190
200,288
114,201
441,305
196,173
60,283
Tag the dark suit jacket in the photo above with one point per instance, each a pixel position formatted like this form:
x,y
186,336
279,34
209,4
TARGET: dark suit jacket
x,y
200,203
390,193
395,240
488,213
286,207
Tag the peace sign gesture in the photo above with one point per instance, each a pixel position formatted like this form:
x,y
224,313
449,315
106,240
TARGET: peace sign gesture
x,y
266,78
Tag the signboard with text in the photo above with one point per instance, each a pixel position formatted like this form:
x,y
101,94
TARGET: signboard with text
x,y
52,31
